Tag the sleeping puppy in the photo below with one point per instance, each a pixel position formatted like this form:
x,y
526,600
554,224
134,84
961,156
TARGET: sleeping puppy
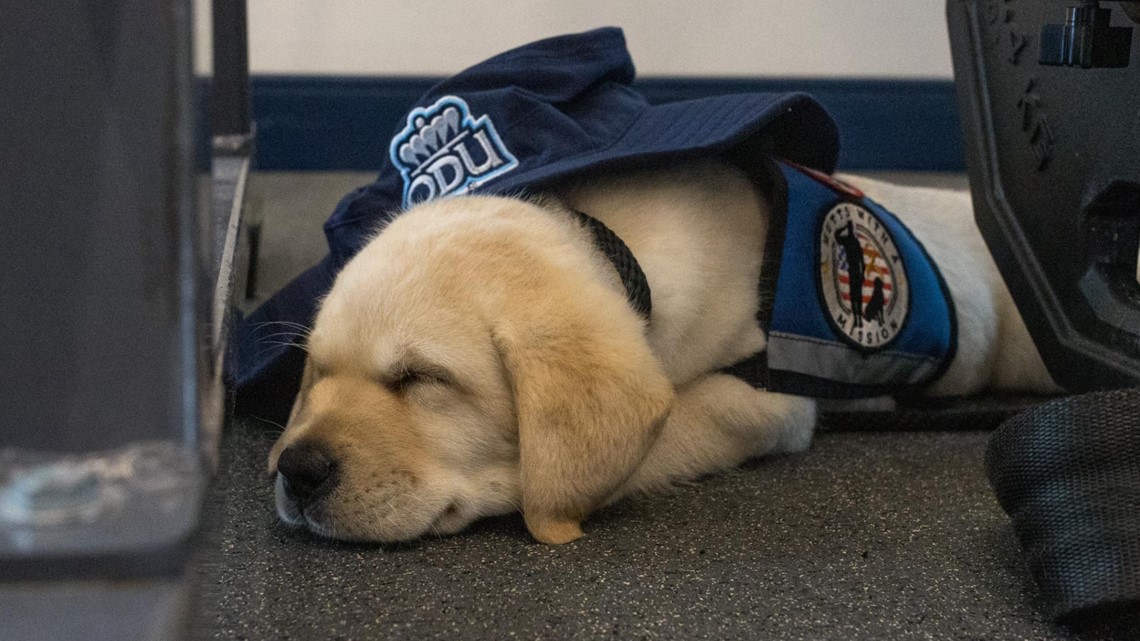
x,y
479,356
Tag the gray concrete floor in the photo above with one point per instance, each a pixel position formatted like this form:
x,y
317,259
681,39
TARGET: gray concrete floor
x,y
869,535
866,536
294,206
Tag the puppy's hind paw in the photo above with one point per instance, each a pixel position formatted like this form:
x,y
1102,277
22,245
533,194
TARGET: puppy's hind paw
x,y
797,431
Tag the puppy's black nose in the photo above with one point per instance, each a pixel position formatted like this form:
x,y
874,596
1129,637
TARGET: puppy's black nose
x,y
308,472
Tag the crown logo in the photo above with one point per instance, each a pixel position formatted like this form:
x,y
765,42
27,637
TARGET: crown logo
x,y
430,137
444,151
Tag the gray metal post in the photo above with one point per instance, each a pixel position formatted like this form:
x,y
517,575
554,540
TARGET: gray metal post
x,y
104,293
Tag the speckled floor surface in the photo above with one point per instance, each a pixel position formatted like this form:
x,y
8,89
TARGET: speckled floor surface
x,y
869,535
866,536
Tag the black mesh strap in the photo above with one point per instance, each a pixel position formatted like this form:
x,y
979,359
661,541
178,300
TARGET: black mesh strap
x,y
632,277
1068,474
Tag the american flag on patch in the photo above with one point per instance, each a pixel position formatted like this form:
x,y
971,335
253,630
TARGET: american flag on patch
x,y
874,265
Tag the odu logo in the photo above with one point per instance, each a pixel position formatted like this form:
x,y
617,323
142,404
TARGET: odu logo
x,y
444,151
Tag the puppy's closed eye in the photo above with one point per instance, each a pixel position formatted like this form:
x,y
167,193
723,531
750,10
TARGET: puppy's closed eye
x,y
403,380
414,371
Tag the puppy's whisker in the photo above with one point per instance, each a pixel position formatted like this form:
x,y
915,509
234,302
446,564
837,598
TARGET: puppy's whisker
x,y
274,423
289,334
434,529
293,325
388,514
286,333
273,344
284,343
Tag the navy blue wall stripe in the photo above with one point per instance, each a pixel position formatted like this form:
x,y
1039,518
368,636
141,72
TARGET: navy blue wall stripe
x,y
344,124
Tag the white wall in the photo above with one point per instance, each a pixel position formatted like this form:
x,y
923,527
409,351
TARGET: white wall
x,y
820,38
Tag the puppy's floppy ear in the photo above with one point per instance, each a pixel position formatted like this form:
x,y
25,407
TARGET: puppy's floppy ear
x,y
591,399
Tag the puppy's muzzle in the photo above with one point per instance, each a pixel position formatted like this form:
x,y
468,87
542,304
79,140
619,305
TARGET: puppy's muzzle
x,y
307,472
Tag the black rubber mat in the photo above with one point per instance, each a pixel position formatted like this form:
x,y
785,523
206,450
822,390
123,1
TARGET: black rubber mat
x,y
1068,474
869,535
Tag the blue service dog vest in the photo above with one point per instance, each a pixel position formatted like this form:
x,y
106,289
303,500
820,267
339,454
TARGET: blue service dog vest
x,y
852,304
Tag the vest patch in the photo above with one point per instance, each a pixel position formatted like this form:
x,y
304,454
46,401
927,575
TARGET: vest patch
x,y
862,278
852,304
444,151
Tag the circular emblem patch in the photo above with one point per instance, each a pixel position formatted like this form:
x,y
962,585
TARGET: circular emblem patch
x,y
861,276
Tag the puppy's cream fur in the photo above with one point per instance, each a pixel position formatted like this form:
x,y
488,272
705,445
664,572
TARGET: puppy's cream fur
x,y
479,356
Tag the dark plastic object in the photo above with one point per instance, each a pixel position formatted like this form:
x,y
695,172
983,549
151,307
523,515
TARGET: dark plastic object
x,y
1068,473
1054,160
1085,40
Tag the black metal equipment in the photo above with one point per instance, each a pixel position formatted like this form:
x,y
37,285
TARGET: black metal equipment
x,y
1052,131
1051,117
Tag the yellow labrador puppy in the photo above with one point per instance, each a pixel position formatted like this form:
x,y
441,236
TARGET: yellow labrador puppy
x,y
479,356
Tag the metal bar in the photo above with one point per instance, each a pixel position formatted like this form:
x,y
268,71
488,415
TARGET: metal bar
x,y
231,106
103,273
